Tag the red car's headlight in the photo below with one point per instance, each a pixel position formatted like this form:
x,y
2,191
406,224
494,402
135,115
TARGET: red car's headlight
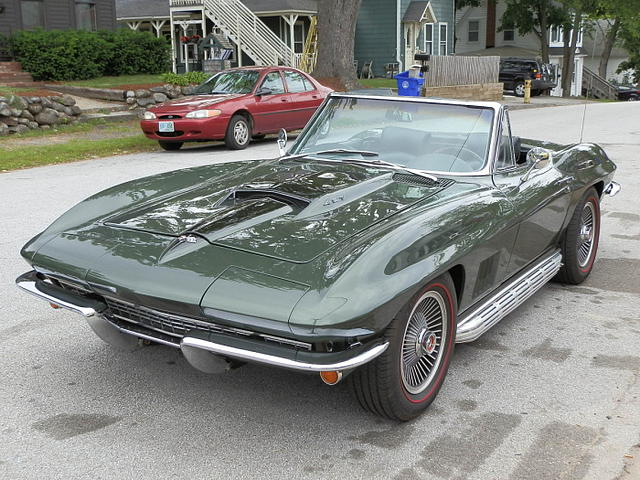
x,y
203,114
149,115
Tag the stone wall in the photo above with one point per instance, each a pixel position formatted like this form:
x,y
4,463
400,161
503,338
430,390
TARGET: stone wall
x,y
148,97
480,91
20,114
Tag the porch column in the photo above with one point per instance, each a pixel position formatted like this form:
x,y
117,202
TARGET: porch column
x,y
173,43
157,25
134,25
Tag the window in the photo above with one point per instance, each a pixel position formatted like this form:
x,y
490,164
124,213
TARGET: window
x,y
556,35
443,38
32,12
273,81
508,35
428,38
474,31
505,153
296,83
86,16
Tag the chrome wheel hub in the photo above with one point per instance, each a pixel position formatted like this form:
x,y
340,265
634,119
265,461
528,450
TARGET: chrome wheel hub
x,y
422,342
241,133
586,234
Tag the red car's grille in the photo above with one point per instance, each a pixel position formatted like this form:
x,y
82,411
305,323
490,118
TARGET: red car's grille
x,y
169,117
170,134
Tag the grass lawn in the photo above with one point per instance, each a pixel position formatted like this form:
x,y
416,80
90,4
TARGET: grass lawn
x,y
378,82
112,82
70,143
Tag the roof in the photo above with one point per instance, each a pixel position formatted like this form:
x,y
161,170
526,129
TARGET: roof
x,y
160,8
142,8
418,12
263,6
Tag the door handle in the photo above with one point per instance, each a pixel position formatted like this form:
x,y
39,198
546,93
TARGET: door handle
x,y
283,100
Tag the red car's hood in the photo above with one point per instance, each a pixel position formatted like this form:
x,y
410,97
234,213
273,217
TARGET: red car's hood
x,y
195,102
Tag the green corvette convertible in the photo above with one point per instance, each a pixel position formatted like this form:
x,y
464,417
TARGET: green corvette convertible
x,y
393,228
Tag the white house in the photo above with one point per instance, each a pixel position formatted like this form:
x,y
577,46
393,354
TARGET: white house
x,y
477,34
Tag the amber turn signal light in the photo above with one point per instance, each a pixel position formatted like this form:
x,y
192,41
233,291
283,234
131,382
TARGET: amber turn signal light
x,y
331,377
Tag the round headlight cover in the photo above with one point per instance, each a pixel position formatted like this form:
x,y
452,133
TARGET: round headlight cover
x,y
203,114
149,115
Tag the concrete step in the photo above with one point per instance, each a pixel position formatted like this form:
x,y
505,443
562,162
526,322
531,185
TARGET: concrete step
x,y
10,67
15,77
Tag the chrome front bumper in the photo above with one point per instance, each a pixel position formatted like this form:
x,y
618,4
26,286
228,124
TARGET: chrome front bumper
x,y
202,350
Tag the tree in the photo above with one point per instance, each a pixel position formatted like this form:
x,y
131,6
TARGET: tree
x,y
336,37
534,16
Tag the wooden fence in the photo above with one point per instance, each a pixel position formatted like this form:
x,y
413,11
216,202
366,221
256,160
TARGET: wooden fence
x,y
458,70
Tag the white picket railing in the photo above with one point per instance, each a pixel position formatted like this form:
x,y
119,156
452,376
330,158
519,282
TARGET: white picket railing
x,y
246,30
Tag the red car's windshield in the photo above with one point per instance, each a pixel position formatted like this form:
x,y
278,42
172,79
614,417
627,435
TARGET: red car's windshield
x,y
240,81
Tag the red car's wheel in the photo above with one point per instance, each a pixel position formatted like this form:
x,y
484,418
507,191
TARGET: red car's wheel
x,y
238,132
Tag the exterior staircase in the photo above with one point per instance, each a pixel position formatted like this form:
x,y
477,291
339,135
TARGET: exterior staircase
x,y
11,73
597,87
245,29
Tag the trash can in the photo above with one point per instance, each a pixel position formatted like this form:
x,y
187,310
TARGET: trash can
x,y
408,86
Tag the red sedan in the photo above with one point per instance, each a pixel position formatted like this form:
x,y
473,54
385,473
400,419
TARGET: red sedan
x,y
236,105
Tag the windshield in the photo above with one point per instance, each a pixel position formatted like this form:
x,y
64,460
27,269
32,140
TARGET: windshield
x,y
422,136
239,81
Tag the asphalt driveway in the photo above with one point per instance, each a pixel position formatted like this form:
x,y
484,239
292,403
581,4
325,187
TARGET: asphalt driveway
x,y
552,392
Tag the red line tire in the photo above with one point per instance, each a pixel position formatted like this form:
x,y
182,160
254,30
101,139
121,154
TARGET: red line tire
x,y
580,242
402,382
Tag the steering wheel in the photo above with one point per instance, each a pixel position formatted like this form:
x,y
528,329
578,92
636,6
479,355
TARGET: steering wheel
x,y
471,158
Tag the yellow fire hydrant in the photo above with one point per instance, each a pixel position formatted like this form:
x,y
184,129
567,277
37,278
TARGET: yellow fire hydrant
x,y
527,91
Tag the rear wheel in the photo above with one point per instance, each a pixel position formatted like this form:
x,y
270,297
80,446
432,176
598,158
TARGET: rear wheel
x,y
171,146
402,382
518,89
238,133
580,243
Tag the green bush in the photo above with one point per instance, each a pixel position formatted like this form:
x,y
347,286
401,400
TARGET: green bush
x,y
184,79
80,55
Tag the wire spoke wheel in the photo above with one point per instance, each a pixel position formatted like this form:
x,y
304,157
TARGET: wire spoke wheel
x,y
585,238
422,342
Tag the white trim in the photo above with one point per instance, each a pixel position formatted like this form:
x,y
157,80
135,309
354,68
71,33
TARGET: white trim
x,y
424,38
479,21
446,38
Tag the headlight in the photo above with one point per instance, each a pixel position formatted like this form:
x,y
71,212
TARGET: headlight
x,y
203,114
149,115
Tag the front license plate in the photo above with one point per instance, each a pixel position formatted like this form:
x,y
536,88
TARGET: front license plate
x,y
166,127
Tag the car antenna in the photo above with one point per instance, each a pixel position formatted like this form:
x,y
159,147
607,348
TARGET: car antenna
x,y
586,97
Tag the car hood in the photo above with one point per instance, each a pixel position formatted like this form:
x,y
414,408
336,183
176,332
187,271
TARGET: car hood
x,y
292,212
195,102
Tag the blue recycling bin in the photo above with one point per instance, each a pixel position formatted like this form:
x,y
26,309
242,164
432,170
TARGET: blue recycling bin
x,y
407,86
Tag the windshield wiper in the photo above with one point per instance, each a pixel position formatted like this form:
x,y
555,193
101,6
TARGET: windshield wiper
x,y
374,163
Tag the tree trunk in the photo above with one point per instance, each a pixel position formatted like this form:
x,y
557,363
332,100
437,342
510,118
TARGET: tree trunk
x,y
610,40
336,38
544,33
570,54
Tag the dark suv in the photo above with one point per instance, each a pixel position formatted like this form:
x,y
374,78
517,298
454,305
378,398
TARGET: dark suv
x,y
514,71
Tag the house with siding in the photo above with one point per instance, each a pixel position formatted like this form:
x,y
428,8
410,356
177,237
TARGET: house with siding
x,y
283,31
478,33
393,31
18,15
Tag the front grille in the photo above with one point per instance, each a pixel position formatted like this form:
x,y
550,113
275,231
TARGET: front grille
x,y
178,326
168,117
170,134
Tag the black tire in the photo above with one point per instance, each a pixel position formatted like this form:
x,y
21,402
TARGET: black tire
x,y
518,89
580,245
171,146
383,385
536,93
238,133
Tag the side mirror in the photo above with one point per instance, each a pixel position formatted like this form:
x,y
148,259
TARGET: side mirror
x,y
263,91
538,158
282,141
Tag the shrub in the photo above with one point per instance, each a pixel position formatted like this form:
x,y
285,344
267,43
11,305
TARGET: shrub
x,y
80,55
184,79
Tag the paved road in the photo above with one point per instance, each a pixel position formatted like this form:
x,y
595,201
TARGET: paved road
x,y
551,392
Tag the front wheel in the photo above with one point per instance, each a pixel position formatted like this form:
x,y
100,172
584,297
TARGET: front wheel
x,y
238,133
402,382
170,146
580,242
